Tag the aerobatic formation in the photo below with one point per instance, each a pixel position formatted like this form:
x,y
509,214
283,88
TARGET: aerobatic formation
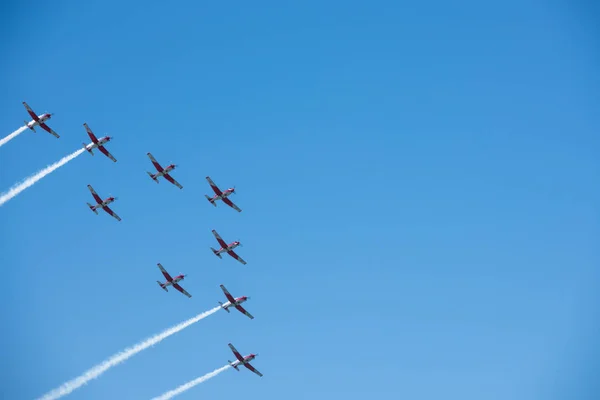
x,y
174,282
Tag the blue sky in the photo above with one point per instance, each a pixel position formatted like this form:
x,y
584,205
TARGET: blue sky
x,y
419,186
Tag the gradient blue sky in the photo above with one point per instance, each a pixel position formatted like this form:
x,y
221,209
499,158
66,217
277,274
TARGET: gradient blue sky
x,y
419,185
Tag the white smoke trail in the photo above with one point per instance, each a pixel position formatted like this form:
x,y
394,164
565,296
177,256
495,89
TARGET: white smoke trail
x,y
190,384
13,135
118,358
16,189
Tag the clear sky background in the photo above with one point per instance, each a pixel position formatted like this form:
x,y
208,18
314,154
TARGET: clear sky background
x,y
419,185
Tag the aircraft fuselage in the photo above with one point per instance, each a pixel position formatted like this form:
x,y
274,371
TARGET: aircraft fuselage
x,y
237,302
104,203
175,280
247,359
223,196
167,170
229,247
101,142
163,172
42,118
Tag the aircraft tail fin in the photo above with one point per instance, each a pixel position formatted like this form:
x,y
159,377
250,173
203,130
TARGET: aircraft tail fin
x,y
92,208
30,127
226,309
161,285
216,253
85,146
234,366
152,176
214,203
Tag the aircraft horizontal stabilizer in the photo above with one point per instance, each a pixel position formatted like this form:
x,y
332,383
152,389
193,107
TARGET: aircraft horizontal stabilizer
x,y
152,176
92,208
214,203
216,253
226,309
85,146
161,285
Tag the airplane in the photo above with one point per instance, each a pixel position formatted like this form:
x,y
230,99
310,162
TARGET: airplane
x,y
219,195
97,143
102,203
245,361
163,172
39,120
227,248
172,281
235,302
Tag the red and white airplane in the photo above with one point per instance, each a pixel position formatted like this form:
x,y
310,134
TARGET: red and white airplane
x,y
102,203
219,195
163,172
97,143
245,361
227,248
235,302
172,281
39,120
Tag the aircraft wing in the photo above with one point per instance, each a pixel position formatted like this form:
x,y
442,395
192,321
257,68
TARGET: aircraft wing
x,y
111,212
243,311
155,163
219,239
30,111
96,197
213,186
227,294
90,133
48,129
106,153
231,204
235,352
251,368
164,272
172,180
182,290
232,254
